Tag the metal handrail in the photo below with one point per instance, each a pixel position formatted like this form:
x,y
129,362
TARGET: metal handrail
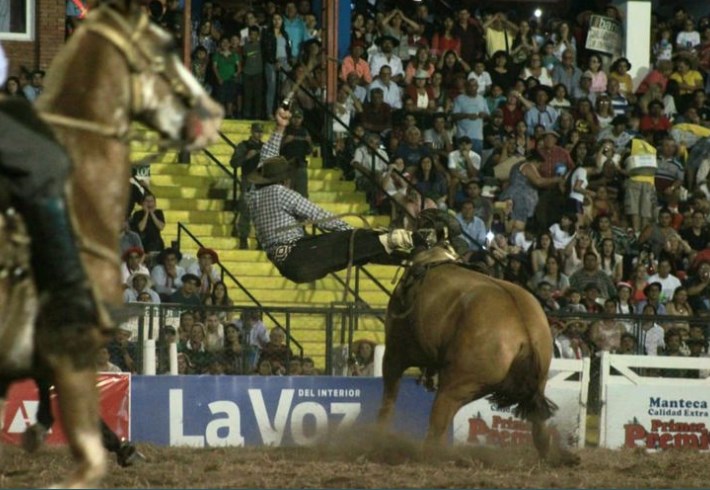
x,y
224,271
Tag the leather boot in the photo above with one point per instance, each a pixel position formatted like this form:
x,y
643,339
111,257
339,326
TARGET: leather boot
x,y
65,296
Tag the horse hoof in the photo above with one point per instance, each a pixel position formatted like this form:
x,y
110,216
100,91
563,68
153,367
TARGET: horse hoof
x,y
565,458
34,437
128,455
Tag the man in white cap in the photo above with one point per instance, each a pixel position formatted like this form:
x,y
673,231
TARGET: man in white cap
x,y
35,168
279,214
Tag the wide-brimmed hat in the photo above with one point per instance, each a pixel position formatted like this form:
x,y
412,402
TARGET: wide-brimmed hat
x,y
191,277
148,282
273,170
132,250
208,251
168,251
387,37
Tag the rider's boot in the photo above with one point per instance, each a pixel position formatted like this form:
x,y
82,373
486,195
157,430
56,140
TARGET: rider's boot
x,y
401,240
66,299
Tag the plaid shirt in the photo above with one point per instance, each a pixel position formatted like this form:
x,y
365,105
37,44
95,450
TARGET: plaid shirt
x,y
276,212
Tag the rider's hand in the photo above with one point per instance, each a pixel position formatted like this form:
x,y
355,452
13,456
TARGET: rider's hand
x,y
283,117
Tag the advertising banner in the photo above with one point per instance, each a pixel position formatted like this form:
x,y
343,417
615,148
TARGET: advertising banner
x,y
482,423
215,411
23,400
604,35
657,417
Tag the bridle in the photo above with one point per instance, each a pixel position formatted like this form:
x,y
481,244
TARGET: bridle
x,y
126,38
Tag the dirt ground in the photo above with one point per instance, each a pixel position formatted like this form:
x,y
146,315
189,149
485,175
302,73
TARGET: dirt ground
x,y
366,460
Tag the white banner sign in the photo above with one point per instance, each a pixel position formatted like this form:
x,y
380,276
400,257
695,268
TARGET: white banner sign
x,y
657,417
604,35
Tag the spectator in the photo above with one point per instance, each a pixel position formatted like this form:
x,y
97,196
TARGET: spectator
x,y
483,206
167,274
220,297
207,269
655,123
12,88
673,348
688,39
412,149
522,192
187,295
362,361
655,235
277,52
139,282
122,352
628,344
386,57
132,261
246,157
590,273
355,63
377,114
430,187
567,72
128,238
499,33
200,65
571,340
583,90
640,196
308,367
697,234
689,81
445,39
295,28
679,306
35,87
524,44
473,228
149,222
253,74
470,33
619,102
541,114
663,48
563,40
276,351
669,282
104,364
606,333
196,350
470,111
574,301
370,163
599,78
544,296
612,263
255,332
502,74
420,64
652,291
226,68
534,69
543,248
551,273
391,92
233,353
214,332
297,147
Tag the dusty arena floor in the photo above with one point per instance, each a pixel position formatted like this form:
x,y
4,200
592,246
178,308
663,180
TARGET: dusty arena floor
x,y
366,461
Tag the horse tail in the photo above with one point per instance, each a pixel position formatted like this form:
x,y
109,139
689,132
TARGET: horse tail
x,y
523,387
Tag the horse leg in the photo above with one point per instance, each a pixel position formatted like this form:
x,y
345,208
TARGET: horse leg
x,y
35,435
548,446
452,395
392,370
78,402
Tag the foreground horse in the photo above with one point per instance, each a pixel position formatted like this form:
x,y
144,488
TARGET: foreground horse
x,y
482,335
118,67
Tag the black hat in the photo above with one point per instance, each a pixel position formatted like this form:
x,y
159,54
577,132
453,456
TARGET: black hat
x,y
191,277
168,251
273,170
387,37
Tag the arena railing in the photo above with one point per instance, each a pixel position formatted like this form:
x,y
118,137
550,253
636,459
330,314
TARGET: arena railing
x,y
231,173
225,272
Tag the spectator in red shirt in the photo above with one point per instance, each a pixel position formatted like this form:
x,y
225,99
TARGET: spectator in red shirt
x,y
655,123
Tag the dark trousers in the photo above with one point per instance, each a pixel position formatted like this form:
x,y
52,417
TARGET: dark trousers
x,y
253,105
314,257
32,162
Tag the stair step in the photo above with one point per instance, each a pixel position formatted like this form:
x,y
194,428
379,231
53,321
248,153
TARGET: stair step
x,y
171,191
192,204
204,217
281,283
302,297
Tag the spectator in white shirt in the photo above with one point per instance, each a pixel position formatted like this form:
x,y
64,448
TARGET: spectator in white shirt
x,y
391,91
464,165
387,57
668,281
652,334
480,74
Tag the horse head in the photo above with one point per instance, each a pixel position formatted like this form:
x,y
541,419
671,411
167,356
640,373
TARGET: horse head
x,y
151,83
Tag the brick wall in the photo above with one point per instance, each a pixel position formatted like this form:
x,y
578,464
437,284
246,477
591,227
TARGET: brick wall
x,y
49,37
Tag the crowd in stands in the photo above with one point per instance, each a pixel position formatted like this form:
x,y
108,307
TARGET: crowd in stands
x,y
565,176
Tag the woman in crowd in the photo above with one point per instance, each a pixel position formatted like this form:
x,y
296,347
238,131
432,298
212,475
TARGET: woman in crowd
x,y
430,182
276,49
233,353
534,69
599,77
604,111
543,249
552,274
611,263
445,40
12,88
620,71
563,40
450,65
575,251
420,63
362,363
502,73
220,297
524,44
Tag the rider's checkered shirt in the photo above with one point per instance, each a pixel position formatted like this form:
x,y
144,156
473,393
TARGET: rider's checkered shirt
x,y
276,211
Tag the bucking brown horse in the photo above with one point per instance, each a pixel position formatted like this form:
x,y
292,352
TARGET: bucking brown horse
x,y
117,67
483,336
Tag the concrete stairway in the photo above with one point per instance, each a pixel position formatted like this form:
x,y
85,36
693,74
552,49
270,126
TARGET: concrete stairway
x,y
198,195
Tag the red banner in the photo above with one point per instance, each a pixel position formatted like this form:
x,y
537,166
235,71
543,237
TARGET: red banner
x,y
23,400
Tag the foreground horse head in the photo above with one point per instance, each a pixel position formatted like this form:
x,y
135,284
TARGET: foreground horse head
x,y
134,74
115,69
481,335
